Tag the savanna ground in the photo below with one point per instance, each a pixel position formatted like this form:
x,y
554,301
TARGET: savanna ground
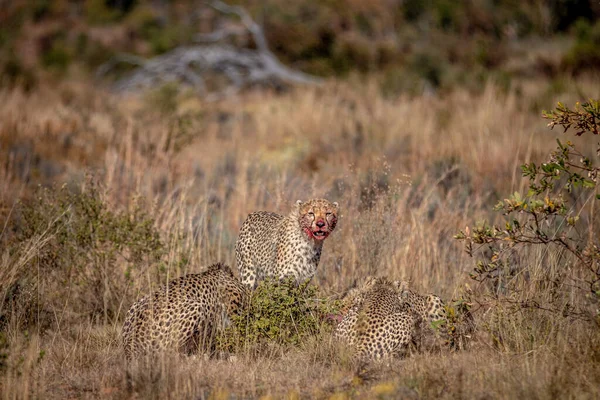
x,y
143,189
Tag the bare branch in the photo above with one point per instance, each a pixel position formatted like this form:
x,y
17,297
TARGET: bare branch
x,y
189,65
218,35
253,27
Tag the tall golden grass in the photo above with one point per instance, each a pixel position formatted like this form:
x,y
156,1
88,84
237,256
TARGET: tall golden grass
x,y
408,172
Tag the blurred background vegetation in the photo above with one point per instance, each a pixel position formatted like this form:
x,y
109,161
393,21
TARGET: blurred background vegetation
x,y
412,45
427,113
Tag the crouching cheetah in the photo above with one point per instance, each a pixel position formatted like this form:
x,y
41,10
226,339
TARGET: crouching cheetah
x,y
378,322
273,245
455,328
430,308
185,314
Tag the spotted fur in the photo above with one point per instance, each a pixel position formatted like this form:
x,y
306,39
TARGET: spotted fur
x,y
430,307
185,314
378,323
273,245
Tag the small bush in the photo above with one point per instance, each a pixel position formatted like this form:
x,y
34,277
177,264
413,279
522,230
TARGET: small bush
x,y
549,216
163,38
447,15
76,246
460,325
98,12
281,313
14,73
429,67
58,57
395,81
164,99
40,9
92,53
144,21
585,53
353,52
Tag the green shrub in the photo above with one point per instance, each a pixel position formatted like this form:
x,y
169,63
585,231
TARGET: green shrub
x,y
413,9
58,57
429,66
165,38
396,81
281,313
87,223
164,99
40,9
565,13
92,53
585,53
14,73
97,12
446,14
551,215
144,21
460,324
76,246
489,54
352,52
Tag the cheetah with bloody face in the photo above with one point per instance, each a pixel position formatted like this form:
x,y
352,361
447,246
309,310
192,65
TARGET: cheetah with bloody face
x,y
185,315
273,245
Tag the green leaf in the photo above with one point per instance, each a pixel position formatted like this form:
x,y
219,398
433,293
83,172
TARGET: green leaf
x,y
588,184
550,167
436,324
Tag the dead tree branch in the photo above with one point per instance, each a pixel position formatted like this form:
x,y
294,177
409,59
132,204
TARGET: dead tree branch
x,y
193,65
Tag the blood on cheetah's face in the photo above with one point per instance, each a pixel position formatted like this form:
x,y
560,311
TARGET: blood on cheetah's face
x,y
317,217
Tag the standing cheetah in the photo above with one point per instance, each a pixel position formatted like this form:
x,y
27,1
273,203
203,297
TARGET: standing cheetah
x,y
185,314
273,245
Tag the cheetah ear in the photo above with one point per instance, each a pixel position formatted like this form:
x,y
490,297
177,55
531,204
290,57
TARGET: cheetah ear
x,y
336,205
370,280
401,285
296,207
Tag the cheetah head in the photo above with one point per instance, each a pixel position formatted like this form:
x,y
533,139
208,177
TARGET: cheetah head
x,y
233,294
317,217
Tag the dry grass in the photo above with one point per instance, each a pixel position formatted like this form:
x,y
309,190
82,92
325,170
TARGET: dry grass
x,y
407,172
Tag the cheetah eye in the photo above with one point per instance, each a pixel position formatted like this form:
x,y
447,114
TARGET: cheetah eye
x,y
328,214
312,214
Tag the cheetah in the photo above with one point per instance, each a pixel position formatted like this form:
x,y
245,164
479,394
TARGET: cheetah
x,y
273,245
456,332
184,315
378,323
430,308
